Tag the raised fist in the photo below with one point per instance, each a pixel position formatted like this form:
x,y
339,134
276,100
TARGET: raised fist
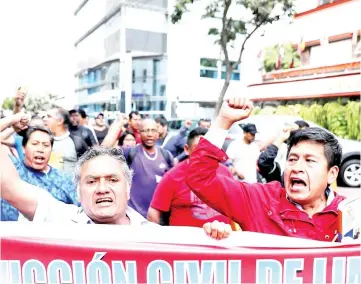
x,y
188,123
233,110
20,97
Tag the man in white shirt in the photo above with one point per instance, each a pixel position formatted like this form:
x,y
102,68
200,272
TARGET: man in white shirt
x,y
103,181
244,154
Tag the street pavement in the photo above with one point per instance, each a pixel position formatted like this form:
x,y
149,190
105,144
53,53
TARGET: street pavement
x,y
349,192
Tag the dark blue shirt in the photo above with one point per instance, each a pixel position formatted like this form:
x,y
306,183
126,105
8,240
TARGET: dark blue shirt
x,y
57,183
175,144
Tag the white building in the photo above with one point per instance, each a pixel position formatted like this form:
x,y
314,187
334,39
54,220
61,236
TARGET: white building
x,y
330,60
117,39
170,69
195,71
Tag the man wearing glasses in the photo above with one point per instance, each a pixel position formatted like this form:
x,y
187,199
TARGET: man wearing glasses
x,y
148,161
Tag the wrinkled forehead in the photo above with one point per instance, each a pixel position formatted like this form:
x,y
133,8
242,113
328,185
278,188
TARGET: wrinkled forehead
x,y
102,166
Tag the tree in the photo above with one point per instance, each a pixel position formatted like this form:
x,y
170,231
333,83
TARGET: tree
x,y
256,13
8,103
39,102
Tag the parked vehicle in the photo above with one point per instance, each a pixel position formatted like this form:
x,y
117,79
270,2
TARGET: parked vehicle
x,y
270,125
174,124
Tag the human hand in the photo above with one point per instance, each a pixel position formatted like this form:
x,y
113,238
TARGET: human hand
x,y
175,161
188,123
20,121
20,97
217,230
233,110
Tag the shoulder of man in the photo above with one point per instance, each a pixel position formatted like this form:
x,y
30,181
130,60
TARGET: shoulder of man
x,y
80,145
167,156
129,154
136,219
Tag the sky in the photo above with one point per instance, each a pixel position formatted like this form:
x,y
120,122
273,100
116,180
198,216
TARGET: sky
x,y
37,46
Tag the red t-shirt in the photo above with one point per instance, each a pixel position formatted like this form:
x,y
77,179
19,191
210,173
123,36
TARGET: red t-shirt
x,y
136,132
186,209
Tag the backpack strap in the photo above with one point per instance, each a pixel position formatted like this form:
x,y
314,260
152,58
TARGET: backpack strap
x,y
131,155
167,156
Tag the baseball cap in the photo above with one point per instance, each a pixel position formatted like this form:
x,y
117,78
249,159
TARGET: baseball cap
x,y
250,128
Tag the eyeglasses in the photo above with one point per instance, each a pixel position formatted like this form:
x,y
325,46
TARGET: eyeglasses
x,y
153,131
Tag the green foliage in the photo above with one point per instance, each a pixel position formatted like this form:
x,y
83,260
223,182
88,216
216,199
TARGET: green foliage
x,y
39,102
353,120
342,120
8,103
255,13
271,56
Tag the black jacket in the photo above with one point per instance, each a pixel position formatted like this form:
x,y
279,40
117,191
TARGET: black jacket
x,y
85,133
80,146
268,167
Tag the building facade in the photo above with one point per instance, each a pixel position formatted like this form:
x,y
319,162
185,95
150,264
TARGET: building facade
x,y
121,51
327,36
196,71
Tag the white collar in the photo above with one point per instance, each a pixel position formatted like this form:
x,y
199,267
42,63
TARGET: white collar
x,y
330,195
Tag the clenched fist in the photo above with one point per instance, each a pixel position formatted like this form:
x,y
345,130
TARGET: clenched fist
x,y
217,230
233,110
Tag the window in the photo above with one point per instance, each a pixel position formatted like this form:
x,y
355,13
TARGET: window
x,y
93,90
235,73
144,75
133,76
209,69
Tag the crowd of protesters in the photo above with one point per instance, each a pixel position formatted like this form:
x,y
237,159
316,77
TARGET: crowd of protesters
x,y
65,167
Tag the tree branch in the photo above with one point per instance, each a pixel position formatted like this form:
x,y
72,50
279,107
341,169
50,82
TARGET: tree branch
x,y
244,43
224,36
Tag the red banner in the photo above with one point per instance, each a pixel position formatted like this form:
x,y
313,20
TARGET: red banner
x,y
120,254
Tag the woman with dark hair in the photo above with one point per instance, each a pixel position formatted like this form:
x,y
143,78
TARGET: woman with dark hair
x,y
127,139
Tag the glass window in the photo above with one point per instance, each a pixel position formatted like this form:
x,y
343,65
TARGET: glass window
x,y
206,73
235,76
207,62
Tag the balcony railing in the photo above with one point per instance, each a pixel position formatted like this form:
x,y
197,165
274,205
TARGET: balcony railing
x,y
313,71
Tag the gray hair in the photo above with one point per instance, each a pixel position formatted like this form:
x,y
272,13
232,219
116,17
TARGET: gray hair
x,y
97,151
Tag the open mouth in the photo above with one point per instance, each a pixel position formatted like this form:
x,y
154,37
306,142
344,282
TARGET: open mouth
x,y
39,159
298,183
107,200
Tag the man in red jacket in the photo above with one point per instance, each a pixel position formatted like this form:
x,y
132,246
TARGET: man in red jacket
x,y
305,208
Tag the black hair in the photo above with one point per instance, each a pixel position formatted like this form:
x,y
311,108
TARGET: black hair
x,y
34,128
161,120
72,111
199,131
332,148
82,113
125,133
204,120
302,124
133,113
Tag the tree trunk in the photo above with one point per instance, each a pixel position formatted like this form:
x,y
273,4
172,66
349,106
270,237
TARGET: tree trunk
x,y
223,91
